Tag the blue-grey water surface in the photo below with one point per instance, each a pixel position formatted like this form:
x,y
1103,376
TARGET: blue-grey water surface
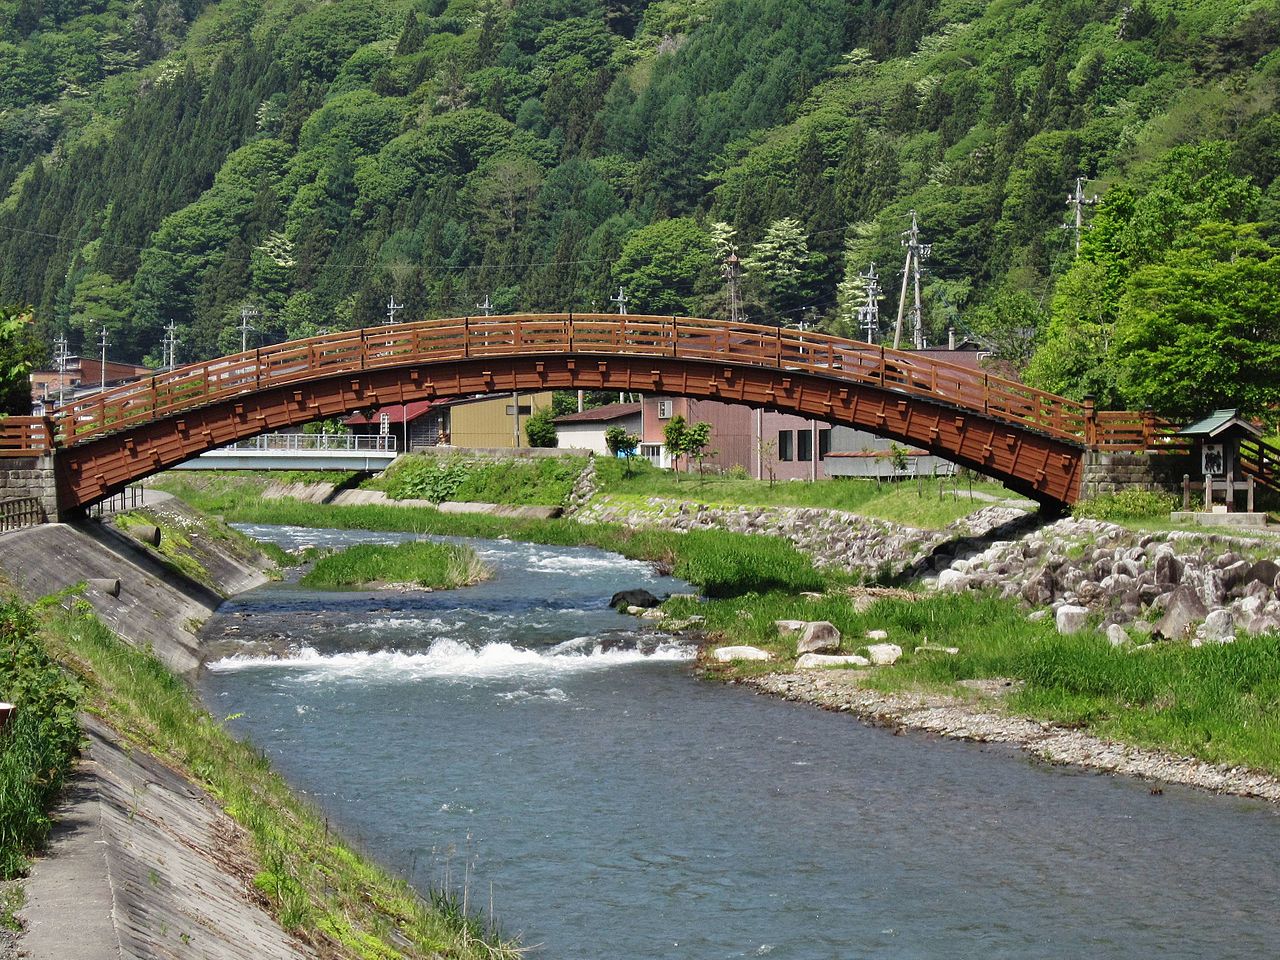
x,y
511,735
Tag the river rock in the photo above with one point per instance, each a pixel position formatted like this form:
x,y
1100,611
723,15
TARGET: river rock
x,y
877,635
1071,618
1219,627
1168,569
1036,615
818,636
884,654
952,581
634,598
816,661
789,628
1182,610
934,648
726,654
1117,635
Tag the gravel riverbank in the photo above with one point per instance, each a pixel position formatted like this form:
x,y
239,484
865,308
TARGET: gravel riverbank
x,y
841,690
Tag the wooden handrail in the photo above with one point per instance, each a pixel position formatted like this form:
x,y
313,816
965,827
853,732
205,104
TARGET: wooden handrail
x,y
200,384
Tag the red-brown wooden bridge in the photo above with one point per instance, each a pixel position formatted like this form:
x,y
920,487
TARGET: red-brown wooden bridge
x,y
1033,441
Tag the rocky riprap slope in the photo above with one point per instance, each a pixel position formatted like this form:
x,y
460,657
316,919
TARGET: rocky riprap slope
x,y
833,538
1174,585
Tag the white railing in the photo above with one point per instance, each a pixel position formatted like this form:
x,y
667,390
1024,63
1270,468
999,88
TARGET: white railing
x,y
305,442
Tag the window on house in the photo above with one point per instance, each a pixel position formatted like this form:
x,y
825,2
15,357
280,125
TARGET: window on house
x,y
824,443
664,409
785,445
525,409
804,445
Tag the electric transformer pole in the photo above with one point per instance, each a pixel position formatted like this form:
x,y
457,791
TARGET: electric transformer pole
x,y
61,355
1076,202
732,272
392,309
248,314
102,342
869,312
169,346
621,301
917,252
487,307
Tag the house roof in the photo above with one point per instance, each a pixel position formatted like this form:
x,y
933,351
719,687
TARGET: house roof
x,y
605,414
398,412
1219,422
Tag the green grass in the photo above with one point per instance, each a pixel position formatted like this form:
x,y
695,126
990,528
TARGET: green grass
x,y
543,481
1217,702
40,743
1127,505
721,563
908,502
317,886
440,566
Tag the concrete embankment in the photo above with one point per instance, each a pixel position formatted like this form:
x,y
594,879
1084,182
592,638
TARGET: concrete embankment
x,y
142,862
156,606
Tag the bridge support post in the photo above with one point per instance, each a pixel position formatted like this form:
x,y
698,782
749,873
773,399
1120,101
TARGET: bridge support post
x,y
25,479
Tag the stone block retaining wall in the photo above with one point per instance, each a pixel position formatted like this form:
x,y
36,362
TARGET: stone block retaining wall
x,y
30,477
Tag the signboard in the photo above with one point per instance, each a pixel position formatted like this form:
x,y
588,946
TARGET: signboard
x,y
1213,460
384,424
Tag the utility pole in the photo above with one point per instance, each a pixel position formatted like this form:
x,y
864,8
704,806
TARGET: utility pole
x,y
621,301
732,272
487,307
248,313
61,355
1077,201
392,309
169,346
917,252
869,312
102,342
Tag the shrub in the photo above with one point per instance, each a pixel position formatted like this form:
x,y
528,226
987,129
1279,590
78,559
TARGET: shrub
x,y
540,428
1127,505
40,743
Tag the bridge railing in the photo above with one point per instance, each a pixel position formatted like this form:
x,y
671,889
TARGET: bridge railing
x,y
25,436
350,351
310,442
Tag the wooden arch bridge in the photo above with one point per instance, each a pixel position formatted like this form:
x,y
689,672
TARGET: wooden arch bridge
x,y
1034,441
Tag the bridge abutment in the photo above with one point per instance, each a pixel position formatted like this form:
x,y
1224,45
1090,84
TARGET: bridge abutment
x,y
1111,472
31,479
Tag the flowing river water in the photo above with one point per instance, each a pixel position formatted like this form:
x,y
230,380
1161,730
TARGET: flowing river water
x,y
524,742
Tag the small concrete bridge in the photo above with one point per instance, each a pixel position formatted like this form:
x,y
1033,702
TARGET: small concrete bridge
x,y
1034,441
300,451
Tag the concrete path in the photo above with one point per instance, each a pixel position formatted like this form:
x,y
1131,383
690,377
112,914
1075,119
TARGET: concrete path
x,y
143,864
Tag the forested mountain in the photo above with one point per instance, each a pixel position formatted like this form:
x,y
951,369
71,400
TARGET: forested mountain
x,y
176,160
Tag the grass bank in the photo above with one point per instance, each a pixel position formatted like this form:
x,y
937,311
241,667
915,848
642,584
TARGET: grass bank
x,y
1220,703
927,504
319,889
721,563
439,566
541,481
40,743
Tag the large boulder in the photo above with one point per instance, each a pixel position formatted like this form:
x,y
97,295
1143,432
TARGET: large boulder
x,y
1168,570
1071,618
1117,635
818,637
952,580
1235,577
1263,572
789,628
725,654
634,598
1183,609
884,654
1042,589
1219,627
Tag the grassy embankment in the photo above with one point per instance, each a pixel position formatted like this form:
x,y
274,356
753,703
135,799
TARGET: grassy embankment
x,y
317,887
179,551
721,564
1217,702
926,504
423,563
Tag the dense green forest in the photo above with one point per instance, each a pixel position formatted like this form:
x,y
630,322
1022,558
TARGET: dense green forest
x,y
165,160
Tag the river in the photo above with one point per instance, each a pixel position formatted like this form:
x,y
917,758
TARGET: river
x,y
520,739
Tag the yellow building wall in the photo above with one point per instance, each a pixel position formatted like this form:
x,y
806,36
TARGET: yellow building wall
x,y
488,423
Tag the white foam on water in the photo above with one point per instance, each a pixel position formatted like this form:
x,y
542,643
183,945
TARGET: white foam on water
x,y
579,564
451,659
550,695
